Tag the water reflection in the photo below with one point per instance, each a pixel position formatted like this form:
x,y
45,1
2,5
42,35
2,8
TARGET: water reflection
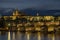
x,y
28,36
57,36
33,36
18,34
9,36
39,35
13,36
51,36
3,36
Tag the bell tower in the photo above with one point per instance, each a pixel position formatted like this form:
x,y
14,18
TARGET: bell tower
x,y
13,13
17,12
37,14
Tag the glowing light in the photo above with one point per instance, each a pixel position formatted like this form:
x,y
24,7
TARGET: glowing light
x,y
37,28
53,37
6,27
28,36
9,24
13,36
48,17
39,36
18,28
50,28
37,14
8,35
14,17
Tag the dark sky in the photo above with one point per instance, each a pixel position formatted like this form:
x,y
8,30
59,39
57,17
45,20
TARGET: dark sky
x,y
22,4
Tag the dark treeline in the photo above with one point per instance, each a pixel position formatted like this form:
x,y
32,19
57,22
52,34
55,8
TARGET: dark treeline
x,y
1,22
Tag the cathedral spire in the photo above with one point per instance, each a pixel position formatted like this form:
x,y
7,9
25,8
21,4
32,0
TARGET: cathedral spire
x,y
37,14
17,12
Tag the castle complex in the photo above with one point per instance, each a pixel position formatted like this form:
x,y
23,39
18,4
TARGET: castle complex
x,y
19,21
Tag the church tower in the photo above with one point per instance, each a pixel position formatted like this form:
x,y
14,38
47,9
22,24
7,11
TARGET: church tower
x,y
13,13
17,12
37,14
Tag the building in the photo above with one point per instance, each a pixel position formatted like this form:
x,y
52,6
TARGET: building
x,y
19,20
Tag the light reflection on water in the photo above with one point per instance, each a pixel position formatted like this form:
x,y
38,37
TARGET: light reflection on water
x,y
9,37
51,37
39,35
28,36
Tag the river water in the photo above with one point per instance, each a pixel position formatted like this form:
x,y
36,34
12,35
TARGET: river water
x,y
28,36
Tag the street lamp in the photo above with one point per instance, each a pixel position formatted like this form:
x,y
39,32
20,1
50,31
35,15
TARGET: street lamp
x,y
9,24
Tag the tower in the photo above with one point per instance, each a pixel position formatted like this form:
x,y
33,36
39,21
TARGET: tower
x,y
13,13
37,14
17,12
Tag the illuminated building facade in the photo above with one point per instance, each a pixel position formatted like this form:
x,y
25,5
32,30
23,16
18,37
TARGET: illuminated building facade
x,y
19,21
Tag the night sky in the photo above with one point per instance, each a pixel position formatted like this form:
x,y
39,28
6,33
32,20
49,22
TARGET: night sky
x,y
22,4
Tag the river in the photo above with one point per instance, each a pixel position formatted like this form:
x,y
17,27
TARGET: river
x,y
28,36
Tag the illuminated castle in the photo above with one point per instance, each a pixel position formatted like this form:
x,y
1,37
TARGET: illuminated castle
x,y
16,13
17,19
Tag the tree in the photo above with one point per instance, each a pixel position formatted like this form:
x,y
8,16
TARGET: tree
x,y
1,22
